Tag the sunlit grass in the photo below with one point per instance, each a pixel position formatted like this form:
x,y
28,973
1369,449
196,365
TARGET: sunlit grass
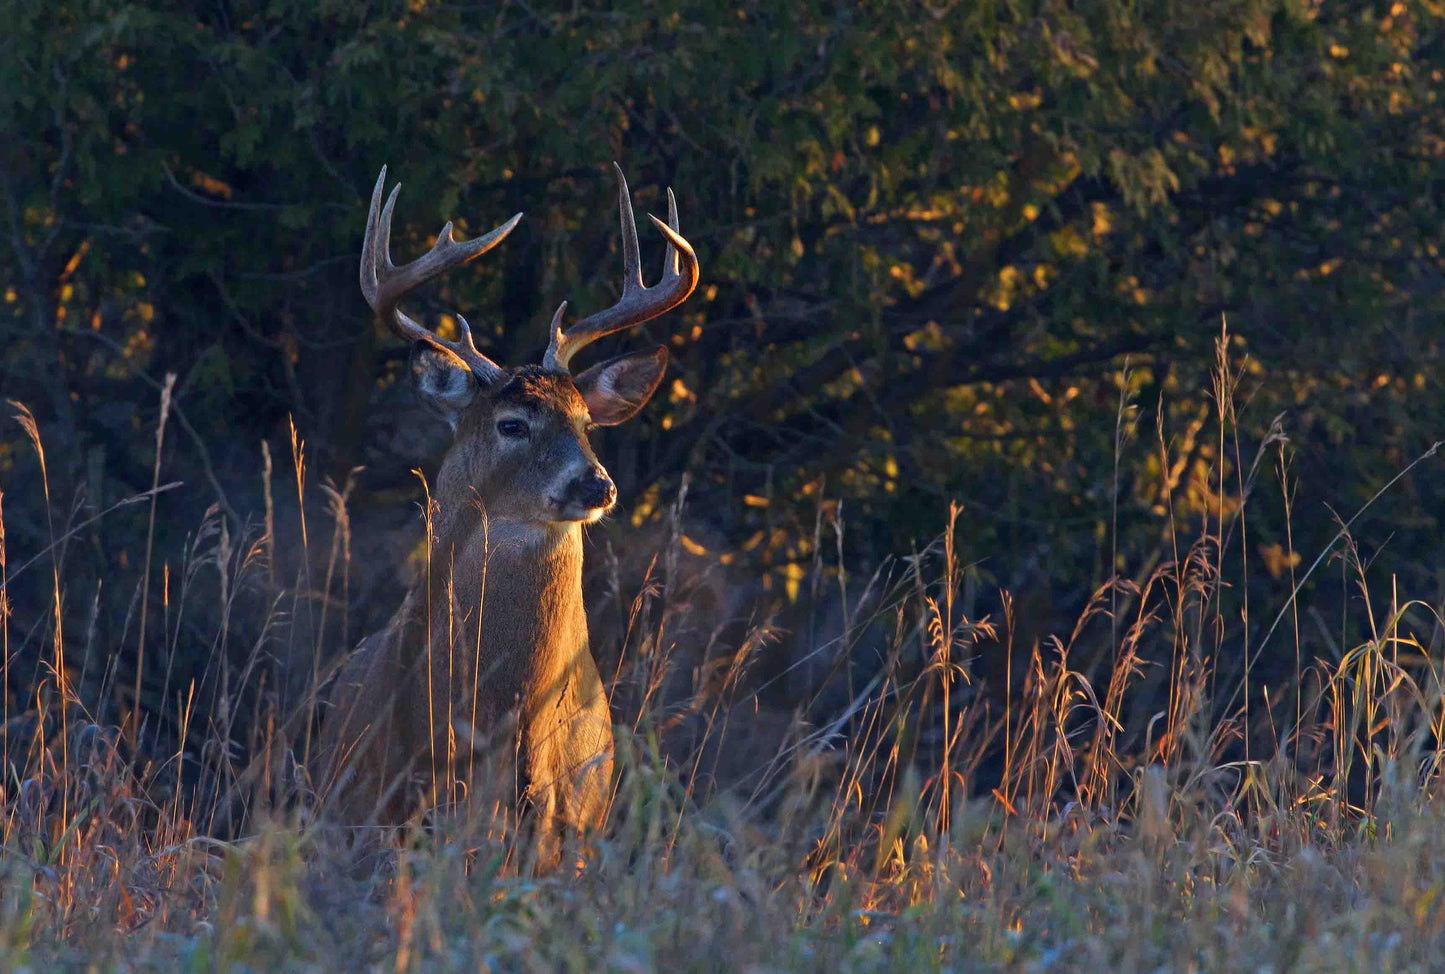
x,y
1169,820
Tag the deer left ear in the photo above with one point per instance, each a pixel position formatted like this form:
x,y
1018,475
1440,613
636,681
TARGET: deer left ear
x,y
616,389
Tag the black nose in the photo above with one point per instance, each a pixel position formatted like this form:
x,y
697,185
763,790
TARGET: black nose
x,y
593,491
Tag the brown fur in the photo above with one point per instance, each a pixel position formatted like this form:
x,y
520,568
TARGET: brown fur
x,y
422,713
483,679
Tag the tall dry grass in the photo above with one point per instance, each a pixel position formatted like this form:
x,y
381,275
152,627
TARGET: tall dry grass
x,y
1175,817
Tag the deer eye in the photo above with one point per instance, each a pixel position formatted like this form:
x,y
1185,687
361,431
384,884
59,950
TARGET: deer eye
x,y
513,429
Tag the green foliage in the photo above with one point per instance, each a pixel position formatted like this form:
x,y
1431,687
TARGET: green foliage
x,y
933,238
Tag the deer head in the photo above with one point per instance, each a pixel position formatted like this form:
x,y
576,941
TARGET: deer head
x,y
521,433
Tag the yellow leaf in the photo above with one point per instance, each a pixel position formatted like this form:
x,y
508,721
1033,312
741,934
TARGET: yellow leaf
x,y
1103,222
645,505
1276,562
793,575
211,185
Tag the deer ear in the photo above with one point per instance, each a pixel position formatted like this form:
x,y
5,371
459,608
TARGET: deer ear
x,y
616,389
443,380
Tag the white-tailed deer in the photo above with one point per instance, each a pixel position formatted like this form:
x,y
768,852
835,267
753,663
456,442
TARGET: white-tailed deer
x,y
485,669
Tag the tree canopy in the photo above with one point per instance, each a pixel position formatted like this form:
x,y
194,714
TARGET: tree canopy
x,y
972,251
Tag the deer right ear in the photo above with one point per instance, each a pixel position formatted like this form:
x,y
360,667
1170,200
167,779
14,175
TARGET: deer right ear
x,y
445,382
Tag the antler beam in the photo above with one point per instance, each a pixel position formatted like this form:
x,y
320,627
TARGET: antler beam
x,y
384,284
638,302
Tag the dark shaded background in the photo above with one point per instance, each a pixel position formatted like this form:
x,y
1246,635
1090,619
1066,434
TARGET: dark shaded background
x,y
948,253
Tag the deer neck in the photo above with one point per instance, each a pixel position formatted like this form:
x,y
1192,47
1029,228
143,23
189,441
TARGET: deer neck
x,y
504,601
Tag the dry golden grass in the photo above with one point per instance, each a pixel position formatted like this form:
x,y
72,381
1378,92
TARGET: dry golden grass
x,y
1124,836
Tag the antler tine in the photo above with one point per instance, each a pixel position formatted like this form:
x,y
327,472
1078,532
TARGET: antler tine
x,y
631,253
555,336
638,302
384,284
669,258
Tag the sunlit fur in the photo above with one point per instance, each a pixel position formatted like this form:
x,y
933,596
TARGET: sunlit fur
x,y
501,619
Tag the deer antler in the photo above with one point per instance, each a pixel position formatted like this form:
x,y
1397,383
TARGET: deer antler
x,y
638,302
385,284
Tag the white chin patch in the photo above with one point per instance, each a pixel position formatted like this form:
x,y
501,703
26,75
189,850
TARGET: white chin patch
x,y
579,515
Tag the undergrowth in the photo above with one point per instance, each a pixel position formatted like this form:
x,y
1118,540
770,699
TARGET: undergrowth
x,y
922,825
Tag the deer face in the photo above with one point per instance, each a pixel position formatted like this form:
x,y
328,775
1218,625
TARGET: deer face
x,y
521,434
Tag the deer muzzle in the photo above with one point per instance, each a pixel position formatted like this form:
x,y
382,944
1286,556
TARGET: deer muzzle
x,y
592,492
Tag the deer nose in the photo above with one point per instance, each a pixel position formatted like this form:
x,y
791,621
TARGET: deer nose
x,y
594,491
